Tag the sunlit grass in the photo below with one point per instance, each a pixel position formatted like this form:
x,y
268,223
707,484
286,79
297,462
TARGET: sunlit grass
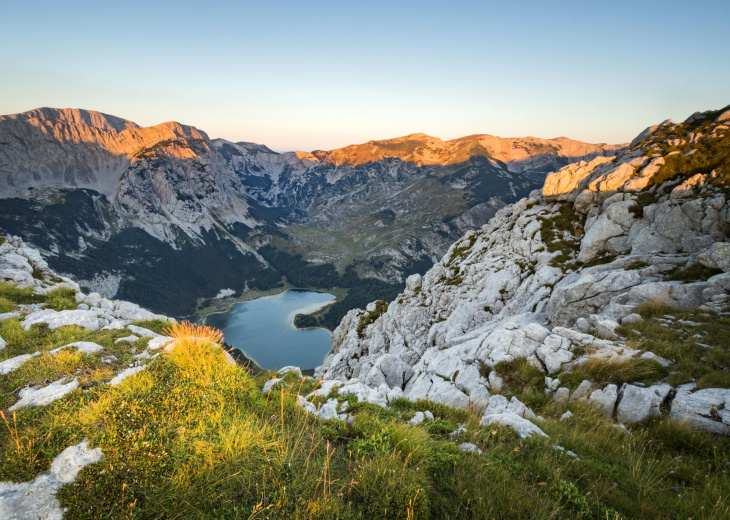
x,y
192,436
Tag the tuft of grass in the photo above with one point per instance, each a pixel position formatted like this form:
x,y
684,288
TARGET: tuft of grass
x,y
600,260
61,299
158,326
385,487
369,317
519,375
636,264
601,373
18,295
6,305
693,273
38,338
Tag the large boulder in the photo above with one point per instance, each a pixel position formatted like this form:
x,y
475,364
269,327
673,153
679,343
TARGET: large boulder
x,y
716,256
673,293
638,404
707,409
85,319
520,425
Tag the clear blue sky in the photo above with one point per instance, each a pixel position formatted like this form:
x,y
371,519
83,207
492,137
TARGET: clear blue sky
x,y
315,74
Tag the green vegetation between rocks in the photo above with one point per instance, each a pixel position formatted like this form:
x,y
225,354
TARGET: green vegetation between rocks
x,y
369,317
601,373
192,436
677,142
698,342
520,376
561,232
693,273
59,299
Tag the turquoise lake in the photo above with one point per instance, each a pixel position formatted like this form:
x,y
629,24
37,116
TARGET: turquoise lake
x,y
264,329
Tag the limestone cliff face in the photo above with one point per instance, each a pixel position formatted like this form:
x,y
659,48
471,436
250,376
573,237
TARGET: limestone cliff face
x,y
76,148
159,178
575,257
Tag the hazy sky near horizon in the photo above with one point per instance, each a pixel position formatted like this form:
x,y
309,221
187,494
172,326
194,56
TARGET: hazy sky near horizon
x,y
324,74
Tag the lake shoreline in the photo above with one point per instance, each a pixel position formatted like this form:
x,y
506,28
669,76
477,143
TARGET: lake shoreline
x,y
264,329
224,305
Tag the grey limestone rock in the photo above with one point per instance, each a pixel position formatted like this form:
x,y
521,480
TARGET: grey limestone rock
x,y
469,447
631,318
129,339
306,405
87,347
716,256
284,370
268,385
142,332
583,391
499,404
124,374
36,499
44,395
707,409
605,399
638,404
13,363
562,395
328,410
86,319
520,425
417,418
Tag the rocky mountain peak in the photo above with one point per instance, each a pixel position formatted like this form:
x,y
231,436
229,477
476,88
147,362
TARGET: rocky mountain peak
x,y
47,117
520,154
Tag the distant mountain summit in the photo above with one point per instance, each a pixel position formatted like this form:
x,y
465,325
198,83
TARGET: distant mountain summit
x,y
144,212
519,154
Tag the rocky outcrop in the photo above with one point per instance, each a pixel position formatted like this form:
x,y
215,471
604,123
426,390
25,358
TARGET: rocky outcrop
x,y
638,404
717,256
23,266
36,499
708,409
577,257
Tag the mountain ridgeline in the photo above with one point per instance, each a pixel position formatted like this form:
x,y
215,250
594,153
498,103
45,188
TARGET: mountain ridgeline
x,y
167,217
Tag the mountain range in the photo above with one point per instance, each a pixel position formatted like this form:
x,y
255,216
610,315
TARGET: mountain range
x,y
568,359
167,217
